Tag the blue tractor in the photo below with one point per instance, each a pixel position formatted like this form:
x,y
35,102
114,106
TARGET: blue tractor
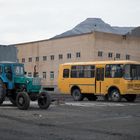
x,y
19,88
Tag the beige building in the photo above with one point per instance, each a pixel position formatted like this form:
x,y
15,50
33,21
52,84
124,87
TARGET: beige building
x,y
46,55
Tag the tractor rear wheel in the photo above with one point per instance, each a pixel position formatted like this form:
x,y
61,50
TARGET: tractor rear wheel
x,y
44,100
23,100
2,93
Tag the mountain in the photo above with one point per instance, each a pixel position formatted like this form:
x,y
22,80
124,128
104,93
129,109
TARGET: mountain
x,y
94,24
135,32
123,30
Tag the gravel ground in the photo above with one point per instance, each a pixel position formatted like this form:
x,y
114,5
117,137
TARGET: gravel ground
x,y
69,120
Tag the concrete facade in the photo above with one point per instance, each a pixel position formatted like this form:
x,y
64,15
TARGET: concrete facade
x,y
86,47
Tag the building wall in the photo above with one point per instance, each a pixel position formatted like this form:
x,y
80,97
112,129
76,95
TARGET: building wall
x,y
55,47
87,44
123,45
8,53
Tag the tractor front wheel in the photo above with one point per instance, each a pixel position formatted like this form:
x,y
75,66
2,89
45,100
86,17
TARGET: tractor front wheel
x,y
44,100
23,101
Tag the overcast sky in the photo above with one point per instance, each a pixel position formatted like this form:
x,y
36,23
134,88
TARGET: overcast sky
x,y
30,20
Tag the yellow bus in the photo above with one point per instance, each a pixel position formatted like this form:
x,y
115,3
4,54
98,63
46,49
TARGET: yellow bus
x,y
113,80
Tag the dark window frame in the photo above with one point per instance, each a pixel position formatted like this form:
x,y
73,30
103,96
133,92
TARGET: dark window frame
x,y
110,55
23,60
37,59
118,55
66,73
30,74
30,59
69,56
100,54
44,75
60,56
52,75
44,58
78,54
127,57
52,57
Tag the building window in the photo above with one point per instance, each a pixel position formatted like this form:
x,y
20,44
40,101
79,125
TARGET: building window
x,y
23,60
69,55
60,56
29,74
118,55
30,59
44,58
36,74
124,37
110,55
51,75
44,75
37,59
127,57
78,54
52,57
100,53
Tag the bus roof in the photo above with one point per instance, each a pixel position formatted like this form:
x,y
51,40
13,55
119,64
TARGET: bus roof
x,y
103,62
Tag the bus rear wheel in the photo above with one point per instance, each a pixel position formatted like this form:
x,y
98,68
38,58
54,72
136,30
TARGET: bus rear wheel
x,y
77,96
130,97
115,95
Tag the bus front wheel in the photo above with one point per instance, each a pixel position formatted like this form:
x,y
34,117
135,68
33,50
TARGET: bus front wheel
x,y
77,96
115,95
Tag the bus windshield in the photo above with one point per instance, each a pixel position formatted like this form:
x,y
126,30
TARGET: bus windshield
x,y
19,70
132,72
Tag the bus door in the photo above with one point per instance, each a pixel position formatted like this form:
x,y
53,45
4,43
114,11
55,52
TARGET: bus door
x,y
99,80
64,79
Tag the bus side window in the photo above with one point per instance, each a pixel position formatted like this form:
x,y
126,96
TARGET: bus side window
x,y
114,71
66,73
108,71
